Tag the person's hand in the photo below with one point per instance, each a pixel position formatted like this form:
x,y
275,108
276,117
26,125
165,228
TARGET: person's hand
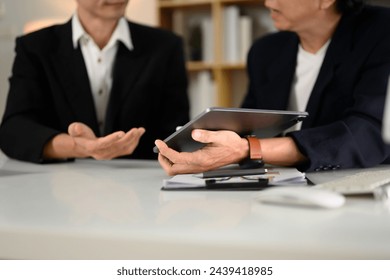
x,y
103,148
222,148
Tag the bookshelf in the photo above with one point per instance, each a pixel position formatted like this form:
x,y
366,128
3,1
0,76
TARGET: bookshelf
x,y
206,31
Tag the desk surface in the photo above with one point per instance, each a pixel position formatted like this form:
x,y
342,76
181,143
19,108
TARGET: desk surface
x,y
115,210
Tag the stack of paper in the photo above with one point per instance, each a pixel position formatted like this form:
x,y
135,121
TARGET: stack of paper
x,y
285,176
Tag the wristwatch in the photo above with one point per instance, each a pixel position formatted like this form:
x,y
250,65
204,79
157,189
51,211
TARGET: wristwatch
x,y
254,148
255,159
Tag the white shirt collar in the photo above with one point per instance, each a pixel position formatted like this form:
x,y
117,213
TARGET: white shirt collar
x,y
121,33
320,53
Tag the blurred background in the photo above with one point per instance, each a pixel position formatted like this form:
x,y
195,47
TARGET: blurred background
x,y
21,16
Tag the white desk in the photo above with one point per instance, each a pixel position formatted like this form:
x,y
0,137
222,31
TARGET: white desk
x,y
115,210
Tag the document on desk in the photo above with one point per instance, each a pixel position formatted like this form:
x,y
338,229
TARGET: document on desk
x,y
272,177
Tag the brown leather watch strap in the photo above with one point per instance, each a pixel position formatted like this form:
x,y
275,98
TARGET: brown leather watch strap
x,y
254,148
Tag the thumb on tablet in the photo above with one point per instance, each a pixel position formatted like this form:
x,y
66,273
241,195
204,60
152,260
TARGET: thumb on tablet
x,y
207,136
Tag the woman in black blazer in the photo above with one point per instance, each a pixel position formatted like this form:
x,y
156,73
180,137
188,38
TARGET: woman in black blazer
x,y
344,95
51,111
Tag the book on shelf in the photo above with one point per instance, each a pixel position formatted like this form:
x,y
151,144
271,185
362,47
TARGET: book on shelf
x,y
179,27
207,39
178,24
202,92
231,16
197,31
195,42
245,36
241,25
238,34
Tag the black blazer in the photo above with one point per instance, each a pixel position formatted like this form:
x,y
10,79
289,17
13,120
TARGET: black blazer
x,y
345,108
49,89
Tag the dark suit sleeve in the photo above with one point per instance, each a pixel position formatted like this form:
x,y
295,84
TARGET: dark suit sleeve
x,y
28,118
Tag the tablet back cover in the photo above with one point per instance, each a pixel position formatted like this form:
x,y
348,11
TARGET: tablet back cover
x,y
262,123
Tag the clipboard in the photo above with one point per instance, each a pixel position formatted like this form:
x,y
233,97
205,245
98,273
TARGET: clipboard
x,y
258,122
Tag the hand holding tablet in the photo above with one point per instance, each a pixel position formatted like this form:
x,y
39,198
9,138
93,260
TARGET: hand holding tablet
x,y
258,122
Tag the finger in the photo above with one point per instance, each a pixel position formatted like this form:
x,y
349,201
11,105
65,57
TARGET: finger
x,y
141,130
119,143
78,129
167,152
174,168
178,161
179,168
203,136
73,129
110,139
130,140
160,144
166,164
132,136
174,162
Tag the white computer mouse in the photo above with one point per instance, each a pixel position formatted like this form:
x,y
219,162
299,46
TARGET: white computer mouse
x,y
301,196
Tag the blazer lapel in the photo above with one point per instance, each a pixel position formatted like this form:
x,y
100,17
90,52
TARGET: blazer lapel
x,y
337,50
276,90
127,69
71,70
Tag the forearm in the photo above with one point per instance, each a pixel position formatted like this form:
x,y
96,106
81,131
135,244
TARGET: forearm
x,y
281,151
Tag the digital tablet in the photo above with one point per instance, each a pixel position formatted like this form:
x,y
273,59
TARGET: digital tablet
x,y
262,123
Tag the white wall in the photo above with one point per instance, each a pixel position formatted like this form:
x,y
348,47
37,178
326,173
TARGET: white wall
x,y
14,14
144,11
